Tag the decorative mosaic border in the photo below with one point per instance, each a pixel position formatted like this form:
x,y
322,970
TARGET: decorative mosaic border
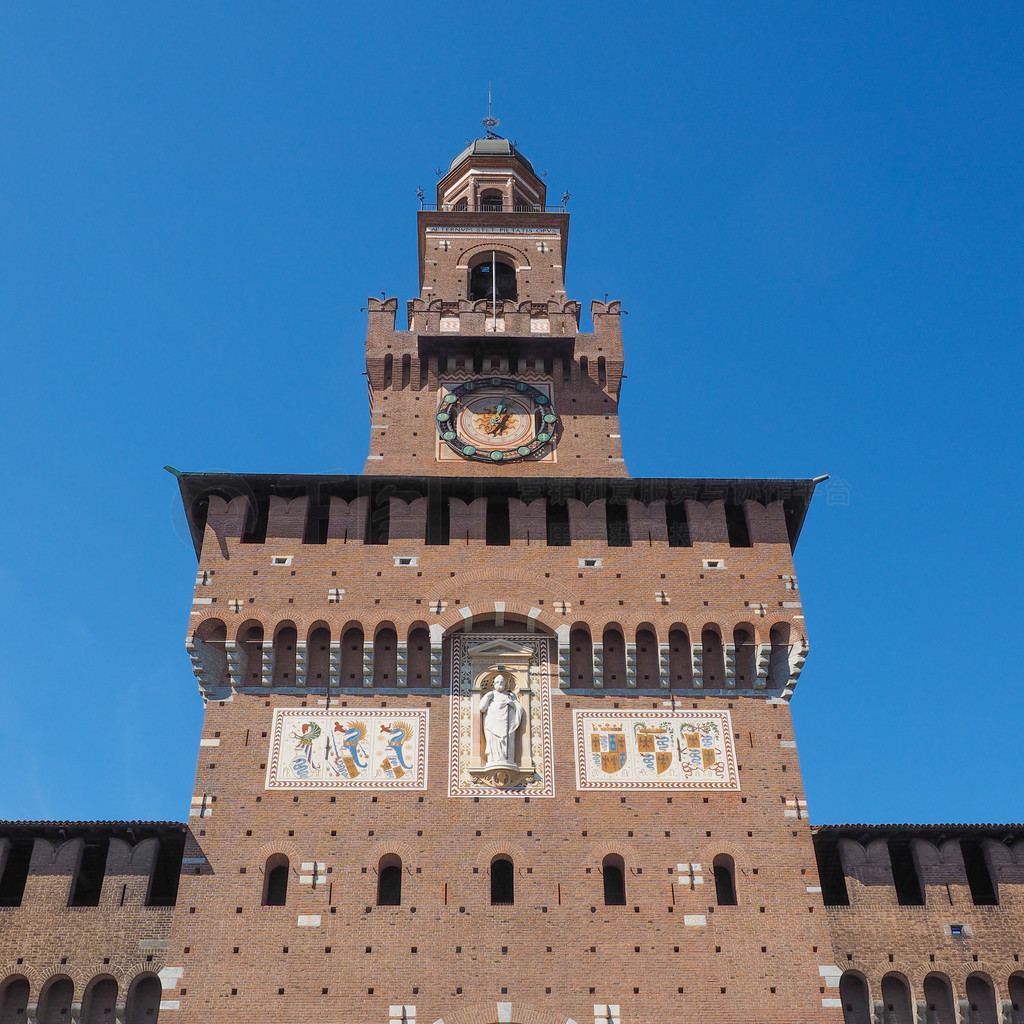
x,y
668,750
461,708
348,749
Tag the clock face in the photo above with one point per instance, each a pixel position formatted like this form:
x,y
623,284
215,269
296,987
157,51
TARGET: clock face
x,y
497,420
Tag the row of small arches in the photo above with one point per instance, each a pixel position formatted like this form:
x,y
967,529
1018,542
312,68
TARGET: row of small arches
x,y
738,658
99,1000
502,876
940,1004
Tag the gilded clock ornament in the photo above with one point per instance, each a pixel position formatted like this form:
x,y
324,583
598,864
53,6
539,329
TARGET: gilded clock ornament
x,y
497,419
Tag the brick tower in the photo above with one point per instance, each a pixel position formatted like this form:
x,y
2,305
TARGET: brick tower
x,y
494,731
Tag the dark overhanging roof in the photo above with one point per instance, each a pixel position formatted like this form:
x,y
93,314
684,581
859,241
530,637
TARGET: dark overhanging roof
x,y
92,829
197,488
947,830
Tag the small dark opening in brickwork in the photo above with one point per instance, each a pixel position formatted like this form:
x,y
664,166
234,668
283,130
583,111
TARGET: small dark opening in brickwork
x,y
256,521
904,874
12,881
558,524
736,524
979,878
678,526
89,877
163,884
498,527
617,525
830,871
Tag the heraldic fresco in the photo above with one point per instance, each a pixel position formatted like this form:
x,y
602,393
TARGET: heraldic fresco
x,y
652,750
347,749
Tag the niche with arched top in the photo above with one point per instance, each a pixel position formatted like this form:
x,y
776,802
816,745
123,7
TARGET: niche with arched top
x,y
896,997
493,279
99,1002
144,1000
13,1000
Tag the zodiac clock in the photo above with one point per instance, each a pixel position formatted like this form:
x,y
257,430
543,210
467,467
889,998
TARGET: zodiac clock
x,y
497,420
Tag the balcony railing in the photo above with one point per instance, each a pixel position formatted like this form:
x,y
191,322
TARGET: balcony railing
x,y
451,208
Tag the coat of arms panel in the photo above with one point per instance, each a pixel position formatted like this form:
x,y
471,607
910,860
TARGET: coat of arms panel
x,y
655,750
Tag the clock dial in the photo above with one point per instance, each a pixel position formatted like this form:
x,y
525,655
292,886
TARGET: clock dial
x,y
497,419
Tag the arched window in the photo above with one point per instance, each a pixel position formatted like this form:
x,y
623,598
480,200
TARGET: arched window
x,y
143,1000
462,205
938,994
896,997
210,640
745,671
680,667
389,881
406,370
318,656
714,658
13,1001
725,880
284,654
352,655
389,369
614,658
486,282
581,656
503,889
55,1001
250,641
778,665
385,656
613,869
982,999
275,881
648,664
853,991
491,201
100,1000
418,658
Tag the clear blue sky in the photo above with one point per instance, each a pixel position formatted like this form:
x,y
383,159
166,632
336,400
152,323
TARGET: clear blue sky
x,y
813,213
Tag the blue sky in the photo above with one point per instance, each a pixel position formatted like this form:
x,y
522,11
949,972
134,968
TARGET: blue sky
x,y
813,213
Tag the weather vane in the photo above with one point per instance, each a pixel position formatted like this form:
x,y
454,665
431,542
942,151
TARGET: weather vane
x,y
490,122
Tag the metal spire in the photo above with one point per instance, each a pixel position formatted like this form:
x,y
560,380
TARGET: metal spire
x,y
490,122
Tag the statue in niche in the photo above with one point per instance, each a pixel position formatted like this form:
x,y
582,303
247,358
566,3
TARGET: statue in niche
x,y
503,714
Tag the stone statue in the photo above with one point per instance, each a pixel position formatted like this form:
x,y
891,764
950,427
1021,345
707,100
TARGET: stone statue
x,y
503,715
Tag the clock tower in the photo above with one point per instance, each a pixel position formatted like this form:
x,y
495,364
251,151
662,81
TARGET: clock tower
x,y
492,374
494,731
